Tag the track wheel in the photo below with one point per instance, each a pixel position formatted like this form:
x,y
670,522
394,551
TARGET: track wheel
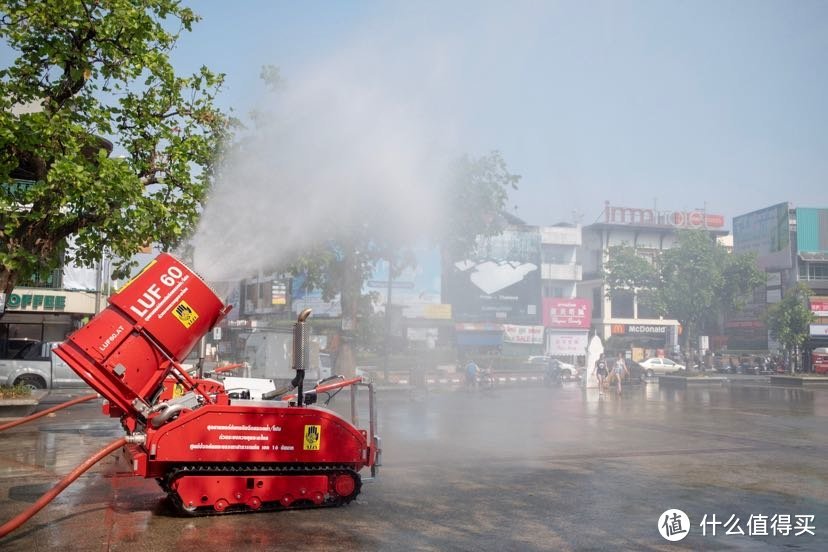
x,y
220,505
344,485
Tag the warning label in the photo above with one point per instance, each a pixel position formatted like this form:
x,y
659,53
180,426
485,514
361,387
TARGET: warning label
x,y
185,314
313,437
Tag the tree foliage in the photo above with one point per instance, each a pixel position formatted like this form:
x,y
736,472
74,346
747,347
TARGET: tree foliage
x,y
692,282
789,320
87,73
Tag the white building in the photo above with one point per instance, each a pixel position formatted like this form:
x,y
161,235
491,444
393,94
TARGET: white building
x,y
566,319
649,231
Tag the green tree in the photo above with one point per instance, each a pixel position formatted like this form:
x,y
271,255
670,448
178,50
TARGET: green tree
x,y
478,190
789,321
87,73
693,282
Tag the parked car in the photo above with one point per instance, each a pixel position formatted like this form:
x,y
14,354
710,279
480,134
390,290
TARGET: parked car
x,y
34,364
660,366
567,370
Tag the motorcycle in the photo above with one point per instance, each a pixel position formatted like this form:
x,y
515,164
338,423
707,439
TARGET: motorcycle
x,y
485,379
552,375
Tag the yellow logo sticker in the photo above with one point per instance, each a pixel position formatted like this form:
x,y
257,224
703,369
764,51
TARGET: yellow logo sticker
x,y
178,390
313,437
185,314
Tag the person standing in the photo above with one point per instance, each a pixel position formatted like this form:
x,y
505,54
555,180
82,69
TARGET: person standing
x,y
601,372
619,371
472,371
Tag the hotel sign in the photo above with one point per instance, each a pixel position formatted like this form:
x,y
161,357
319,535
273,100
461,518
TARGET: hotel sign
x,y
637,216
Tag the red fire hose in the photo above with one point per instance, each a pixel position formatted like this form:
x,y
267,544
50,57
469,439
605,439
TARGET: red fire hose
x,y
227,368
48,411
24,516
329,387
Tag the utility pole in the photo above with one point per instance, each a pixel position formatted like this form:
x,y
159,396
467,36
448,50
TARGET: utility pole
x,y
388,319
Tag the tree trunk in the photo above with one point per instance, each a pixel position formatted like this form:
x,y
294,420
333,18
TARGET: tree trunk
x,y
8,279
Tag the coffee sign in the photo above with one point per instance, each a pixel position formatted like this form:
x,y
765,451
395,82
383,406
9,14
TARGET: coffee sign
x,y
35,302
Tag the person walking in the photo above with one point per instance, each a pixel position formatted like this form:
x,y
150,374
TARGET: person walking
x,y
619,371
601,372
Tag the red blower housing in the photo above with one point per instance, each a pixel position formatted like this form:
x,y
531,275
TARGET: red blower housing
x,y
213,454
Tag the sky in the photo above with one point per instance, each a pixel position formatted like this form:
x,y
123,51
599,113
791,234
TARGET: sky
x,y
679,105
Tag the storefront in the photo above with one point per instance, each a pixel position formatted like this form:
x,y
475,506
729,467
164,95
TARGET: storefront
x,y
45,315
651,338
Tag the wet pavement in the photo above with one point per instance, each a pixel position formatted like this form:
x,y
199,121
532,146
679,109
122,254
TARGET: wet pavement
x,y
517,468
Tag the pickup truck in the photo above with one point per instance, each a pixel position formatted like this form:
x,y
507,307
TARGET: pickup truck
x,y
34,364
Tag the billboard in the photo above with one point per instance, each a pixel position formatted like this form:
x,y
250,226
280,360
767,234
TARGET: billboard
x,y
567,313
303,297
765,232
416,288
500,281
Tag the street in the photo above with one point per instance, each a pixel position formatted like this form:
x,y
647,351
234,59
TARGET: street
x,y
514,468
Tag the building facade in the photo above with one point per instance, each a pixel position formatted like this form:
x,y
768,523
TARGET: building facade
x,y
566,318
791,245
52,309
650,232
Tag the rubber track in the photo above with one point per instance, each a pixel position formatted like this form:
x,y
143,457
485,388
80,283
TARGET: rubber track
x,y
252,471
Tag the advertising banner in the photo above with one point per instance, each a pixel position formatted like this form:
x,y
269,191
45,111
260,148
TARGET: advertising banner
x,y
566,343
523,334
416,288
765,232
567,313
302,297
500,281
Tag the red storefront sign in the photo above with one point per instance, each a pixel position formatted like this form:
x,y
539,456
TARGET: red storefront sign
x,y
567,313
819,306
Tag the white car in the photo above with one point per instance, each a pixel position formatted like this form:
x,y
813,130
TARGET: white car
x,y
568,371
657,365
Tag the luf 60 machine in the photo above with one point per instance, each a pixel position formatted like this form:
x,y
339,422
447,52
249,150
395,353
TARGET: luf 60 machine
x,y
212,453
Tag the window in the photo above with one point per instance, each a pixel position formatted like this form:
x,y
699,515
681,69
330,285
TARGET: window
x,y
622,304
21,349
557,254
813,271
